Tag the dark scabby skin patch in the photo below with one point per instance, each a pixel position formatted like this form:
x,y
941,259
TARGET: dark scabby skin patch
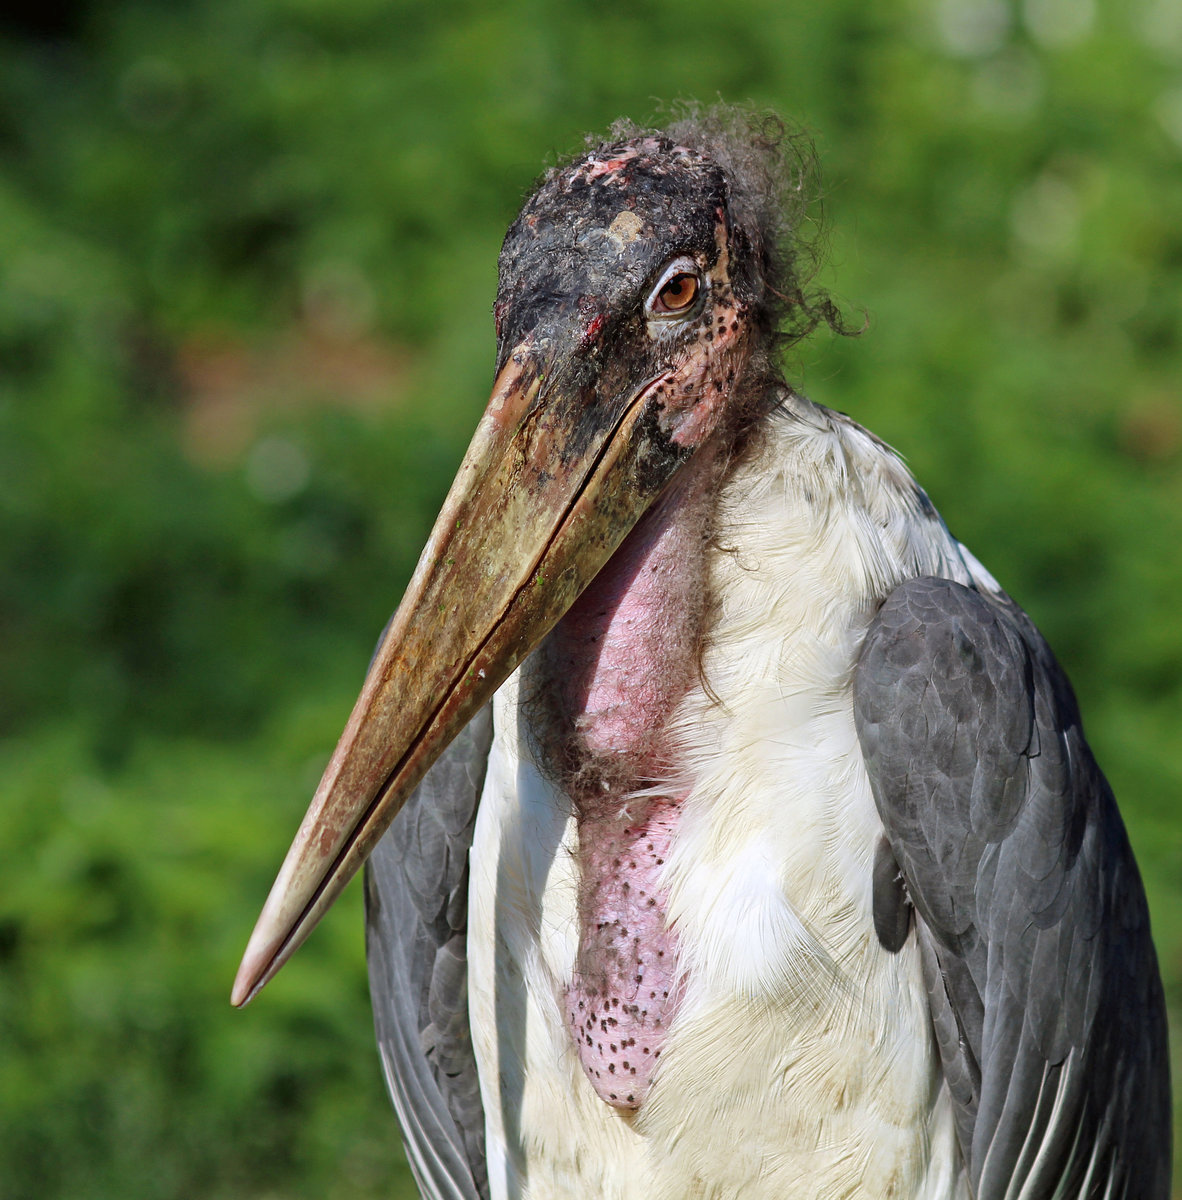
x,y
571,252
663,455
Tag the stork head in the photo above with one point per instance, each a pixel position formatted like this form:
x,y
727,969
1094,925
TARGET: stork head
x,y
635,268
641,289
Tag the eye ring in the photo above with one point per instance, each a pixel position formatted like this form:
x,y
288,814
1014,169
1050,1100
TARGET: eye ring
x,y
678,293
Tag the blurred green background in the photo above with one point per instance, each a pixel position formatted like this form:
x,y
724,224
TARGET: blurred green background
x,y
247,257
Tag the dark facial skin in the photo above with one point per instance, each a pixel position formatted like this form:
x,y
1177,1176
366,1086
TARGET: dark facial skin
x,y
595,236
578,270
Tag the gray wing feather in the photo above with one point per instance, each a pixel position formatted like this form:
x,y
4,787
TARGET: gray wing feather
x,y
416,907
1033,928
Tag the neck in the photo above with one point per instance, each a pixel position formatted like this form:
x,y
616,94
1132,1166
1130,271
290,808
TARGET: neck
x,y
626,652
613,671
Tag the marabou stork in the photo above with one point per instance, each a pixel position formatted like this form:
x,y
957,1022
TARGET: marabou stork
x,y
743,838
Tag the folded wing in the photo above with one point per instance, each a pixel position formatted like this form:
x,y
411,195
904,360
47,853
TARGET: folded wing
x,y
1044,989
416,905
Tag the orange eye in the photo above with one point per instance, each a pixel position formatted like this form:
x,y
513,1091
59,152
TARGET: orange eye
x,y
677,293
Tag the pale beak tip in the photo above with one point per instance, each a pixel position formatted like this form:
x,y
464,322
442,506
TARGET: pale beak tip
x,y
246,983
259,962
243,991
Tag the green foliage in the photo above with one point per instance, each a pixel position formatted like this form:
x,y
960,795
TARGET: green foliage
x,y
247,252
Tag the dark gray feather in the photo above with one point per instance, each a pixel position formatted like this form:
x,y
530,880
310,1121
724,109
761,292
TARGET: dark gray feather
x,y
416,907
892,911
1044,989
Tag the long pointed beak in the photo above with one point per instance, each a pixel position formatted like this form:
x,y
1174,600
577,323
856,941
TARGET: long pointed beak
x,y
549,487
